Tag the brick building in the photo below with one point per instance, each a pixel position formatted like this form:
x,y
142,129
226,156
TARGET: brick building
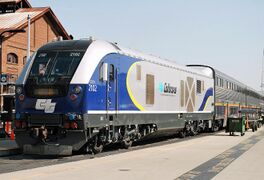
x,y
45,27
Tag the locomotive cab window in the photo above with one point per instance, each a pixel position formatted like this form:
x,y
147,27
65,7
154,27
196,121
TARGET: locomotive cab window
x,y
101,72
57,64
51,73
111,72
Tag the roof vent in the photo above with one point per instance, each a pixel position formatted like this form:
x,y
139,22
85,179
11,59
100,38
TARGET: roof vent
x,y
59,38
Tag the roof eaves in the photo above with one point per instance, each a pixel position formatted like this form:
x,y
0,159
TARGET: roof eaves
x,y
23,25
16,2
43,10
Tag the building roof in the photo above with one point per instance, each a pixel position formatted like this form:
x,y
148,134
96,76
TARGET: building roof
x,y
25,3
18,19
7,1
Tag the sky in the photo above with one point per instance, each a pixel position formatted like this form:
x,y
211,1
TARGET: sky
x,y
225,34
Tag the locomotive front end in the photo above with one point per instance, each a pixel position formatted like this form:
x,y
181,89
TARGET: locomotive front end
x,y
49,117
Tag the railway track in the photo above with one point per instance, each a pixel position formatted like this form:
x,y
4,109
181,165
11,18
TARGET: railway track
x,y
22,162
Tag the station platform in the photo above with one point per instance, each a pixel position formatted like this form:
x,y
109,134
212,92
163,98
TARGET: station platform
x,y
8,147
217,156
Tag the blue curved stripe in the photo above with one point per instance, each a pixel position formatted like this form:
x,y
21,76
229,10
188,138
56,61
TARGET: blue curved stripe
x,y
208,93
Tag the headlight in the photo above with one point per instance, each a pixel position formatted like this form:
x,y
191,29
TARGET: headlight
x,y
77,90
21,97
18,90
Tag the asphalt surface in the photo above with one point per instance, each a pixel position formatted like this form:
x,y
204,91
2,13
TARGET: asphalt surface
x,y
8,147
217,156
19,162
214,166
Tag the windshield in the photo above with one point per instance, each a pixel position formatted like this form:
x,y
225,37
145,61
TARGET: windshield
x,y
54,63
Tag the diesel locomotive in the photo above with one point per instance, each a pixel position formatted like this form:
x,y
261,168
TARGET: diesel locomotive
x,y
84,94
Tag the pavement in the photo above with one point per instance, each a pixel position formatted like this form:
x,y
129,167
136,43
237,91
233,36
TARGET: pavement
x,y
248,166
218,156
8,147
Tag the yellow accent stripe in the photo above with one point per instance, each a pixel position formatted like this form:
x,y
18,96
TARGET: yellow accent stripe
x,y
220,104
253,107
225,104
234,105
132,97
207,102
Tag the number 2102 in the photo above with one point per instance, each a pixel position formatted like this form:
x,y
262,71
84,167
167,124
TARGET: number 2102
x,y
92,88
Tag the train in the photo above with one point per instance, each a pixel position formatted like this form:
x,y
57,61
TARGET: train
x,y
81,95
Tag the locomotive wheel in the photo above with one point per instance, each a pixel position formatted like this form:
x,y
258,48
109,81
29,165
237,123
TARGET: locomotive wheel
x,y
127,140
193,129
182,134
215,127
256,127
87,149
97,148
127,143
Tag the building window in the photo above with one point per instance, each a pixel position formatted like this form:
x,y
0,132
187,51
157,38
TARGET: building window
x,y
12,58
12,78
24,60
150,91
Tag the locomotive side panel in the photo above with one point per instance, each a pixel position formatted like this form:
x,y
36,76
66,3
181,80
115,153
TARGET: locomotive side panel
x,y
148,93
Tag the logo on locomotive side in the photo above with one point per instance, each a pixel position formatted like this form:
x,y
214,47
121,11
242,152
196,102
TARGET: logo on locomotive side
x,y
167,88
46,105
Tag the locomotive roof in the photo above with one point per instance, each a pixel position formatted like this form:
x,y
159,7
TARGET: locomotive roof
x,y
66,45
83,44
160,61
99,49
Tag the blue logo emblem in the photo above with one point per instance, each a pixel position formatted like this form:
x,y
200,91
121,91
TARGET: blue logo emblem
x,y
161,87
167,88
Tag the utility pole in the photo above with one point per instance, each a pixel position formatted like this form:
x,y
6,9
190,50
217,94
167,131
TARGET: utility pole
x,y
28,40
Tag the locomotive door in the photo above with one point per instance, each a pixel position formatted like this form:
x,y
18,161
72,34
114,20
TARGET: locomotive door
x,y
111,94
111,99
